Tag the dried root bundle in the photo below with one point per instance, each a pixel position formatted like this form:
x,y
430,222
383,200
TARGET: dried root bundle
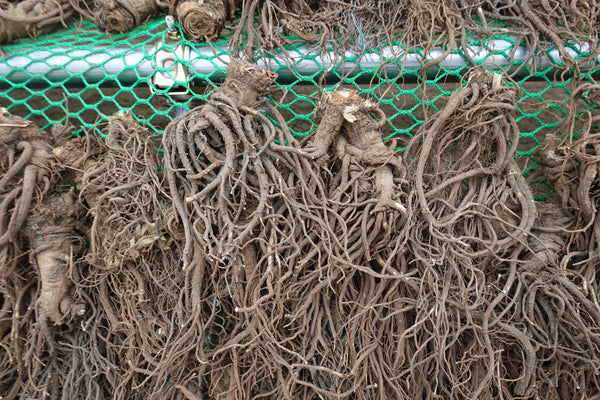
x,y
215,161
53,239
571,163
544,316
366,175
40,241
342,269
268,24
132,281
120,186
469,209
542,25
28,222
472,199
224,180
31,18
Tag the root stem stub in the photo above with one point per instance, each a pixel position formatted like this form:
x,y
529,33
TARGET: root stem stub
x,y
201,19
121,16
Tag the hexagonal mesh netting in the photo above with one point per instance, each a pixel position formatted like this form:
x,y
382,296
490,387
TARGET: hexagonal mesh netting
x,y
81,76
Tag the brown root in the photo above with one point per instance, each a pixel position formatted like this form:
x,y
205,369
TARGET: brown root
x,y
133,279
471,214
365,188
31,18
218,136
571,163
27,173
201,19
54,243
465,170
121,16
545,28
34,290
118,184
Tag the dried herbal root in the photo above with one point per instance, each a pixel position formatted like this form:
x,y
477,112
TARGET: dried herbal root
x,y
202,19
430,24
119,185
221,174
571,163
469,210
46,221
556,26
27,166
362,140
26,176
254,215
359,24
120,16
39,242
473,200
51,235
31,18
551,312
133,280
542,25
203,164
365,185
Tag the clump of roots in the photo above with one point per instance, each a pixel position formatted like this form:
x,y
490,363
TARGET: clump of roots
x,y
365,174
216,162
265,25
472,201
469,209
347,264
542,25
31,18
133,276
35,291
120,187
571,163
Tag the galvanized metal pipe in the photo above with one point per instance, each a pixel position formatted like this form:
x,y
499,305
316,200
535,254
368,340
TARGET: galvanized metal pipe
x,y
35,66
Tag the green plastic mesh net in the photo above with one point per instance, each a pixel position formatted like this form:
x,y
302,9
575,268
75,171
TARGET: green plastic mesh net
x,y
80,76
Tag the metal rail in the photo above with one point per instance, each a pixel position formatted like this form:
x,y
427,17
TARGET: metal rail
x,y
38,66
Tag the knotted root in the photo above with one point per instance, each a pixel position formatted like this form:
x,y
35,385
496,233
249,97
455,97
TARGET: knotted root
x,y
50,231
214,157
359,24
540,26
225,182
469,210
366,174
